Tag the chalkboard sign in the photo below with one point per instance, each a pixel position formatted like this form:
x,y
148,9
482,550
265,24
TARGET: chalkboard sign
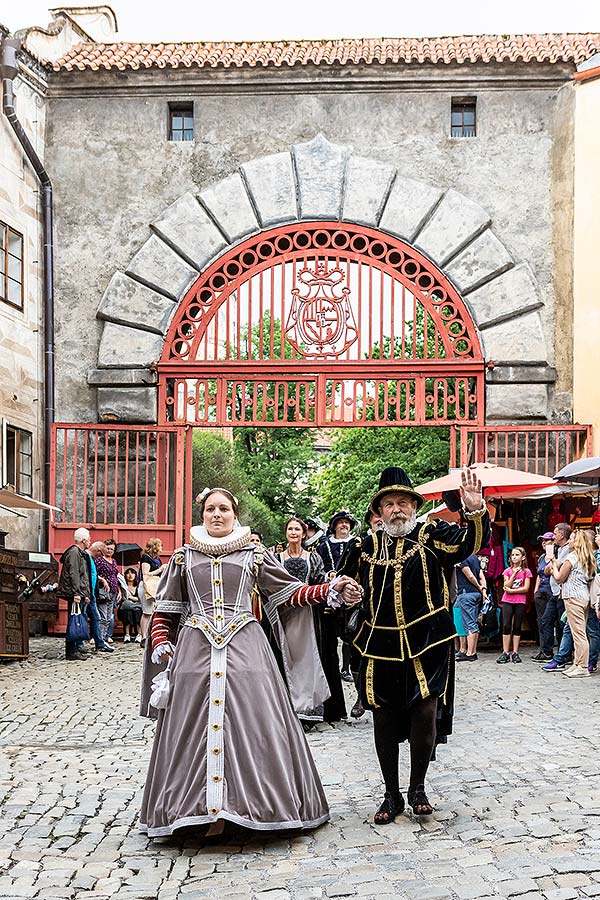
x,y
14,630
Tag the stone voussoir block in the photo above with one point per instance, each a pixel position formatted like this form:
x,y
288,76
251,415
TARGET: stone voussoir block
x,y
512,293
485,257
516,340
121,346
320,171
229,205
455,222
368,183
270,180
187,227
408,205
127,302
134,405
158,266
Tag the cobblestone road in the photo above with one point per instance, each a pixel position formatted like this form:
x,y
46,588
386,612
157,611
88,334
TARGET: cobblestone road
x,y
517,792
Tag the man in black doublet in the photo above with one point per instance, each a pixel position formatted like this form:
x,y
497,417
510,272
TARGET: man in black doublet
x,y
406,631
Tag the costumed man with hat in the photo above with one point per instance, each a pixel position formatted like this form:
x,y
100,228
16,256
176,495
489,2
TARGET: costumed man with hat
x,y
406,631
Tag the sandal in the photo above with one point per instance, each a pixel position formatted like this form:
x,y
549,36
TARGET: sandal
x,y
389,809
419,801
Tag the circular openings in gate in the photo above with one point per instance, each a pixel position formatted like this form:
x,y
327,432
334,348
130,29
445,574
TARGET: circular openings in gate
x,y
448,312
265,250
249,259
410,268
283,244
233,269
425,281
301,240
340,240
438,295
205,295
359,243
195,312
321,239
394,258
377,249
217,282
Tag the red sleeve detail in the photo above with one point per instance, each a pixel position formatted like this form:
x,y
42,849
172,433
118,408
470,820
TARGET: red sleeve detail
x,y
309,596
163,625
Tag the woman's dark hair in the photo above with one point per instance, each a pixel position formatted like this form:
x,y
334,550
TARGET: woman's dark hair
x,y
129,569
110,543
257,533
219,490
302,524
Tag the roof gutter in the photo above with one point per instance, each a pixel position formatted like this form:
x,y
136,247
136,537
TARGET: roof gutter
x,y
8,71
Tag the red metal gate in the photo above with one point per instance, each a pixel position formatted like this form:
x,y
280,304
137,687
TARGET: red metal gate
x,y
322,323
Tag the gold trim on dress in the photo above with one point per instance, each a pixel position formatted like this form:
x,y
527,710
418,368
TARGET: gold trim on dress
x,y
426,580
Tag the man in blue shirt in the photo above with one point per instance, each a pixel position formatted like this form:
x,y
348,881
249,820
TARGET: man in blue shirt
x,y
470,589
541,596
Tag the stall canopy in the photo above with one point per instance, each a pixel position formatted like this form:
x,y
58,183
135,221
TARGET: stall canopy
x,y
9,499
496,480
587,470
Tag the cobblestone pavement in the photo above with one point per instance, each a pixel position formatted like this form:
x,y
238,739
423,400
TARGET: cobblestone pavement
x,y
517,792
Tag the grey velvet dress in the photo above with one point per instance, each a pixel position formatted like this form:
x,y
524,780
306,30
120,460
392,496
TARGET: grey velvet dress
x,y
229,744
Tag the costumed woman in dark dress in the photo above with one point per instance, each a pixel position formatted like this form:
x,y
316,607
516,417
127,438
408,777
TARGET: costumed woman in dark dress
x,y
228,745
308,568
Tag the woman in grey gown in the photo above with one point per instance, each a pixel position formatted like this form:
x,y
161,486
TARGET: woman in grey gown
x,y
228,745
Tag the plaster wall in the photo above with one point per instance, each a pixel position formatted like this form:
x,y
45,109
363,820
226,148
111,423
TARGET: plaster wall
x,y
586,396
115,172
21,360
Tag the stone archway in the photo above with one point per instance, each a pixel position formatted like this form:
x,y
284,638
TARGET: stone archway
x,y
319,180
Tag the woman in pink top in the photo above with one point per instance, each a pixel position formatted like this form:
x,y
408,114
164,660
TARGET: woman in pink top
x,y
517,579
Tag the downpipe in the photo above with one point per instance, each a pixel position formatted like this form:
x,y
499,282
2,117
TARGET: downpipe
x,y
8,71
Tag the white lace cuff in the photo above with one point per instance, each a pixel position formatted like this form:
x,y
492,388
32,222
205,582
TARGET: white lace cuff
x,y
161,650
474,513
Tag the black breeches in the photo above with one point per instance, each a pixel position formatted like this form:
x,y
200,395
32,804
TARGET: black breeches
x,y
512,618
422,742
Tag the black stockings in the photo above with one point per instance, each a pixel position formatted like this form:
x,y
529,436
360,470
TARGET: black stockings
x,y
422,742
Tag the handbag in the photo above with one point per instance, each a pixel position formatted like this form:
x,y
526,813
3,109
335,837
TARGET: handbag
x,y
150,583
77,626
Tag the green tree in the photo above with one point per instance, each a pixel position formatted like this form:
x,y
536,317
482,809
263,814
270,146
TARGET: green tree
x,y
350,473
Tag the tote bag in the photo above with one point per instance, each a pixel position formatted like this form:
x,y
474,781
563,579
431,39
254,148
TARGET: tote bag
x,y
77,626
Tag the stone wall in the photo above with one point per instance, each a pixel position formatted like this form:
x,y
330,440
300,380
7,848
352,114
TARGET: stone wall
x,y
21,350
116,176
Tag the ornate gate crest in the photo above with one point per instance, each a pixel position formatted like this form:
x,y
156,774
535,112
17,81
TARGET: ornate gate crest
x,y
321,322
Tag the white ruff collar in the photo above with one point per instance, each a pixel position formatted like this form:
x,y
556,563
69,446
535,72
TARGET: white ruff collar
x,y
201,540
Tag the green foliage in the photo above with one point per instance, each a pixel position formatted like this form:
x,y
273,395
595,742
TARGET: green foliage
x,y
350,473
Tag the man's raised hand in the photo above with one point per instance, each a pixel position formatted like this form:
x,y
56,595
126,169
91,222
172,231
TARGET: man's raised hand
x,y
471,490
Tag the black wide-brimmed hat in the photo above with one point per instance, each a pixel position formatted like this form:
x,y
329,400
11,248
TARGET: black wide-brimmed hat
x,y
394,480
342,514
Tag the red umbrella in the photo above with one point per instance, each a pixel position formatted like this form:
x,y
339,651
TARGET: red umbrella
x,y
495,480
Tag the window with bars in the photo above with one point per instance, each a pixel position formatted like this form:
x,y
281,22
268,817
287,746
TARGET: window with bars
x,y
11,266
463,119
181,122
18,459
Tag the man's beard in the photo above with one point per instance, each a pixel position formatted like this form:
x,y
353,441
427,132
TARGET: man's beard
x,y
401,529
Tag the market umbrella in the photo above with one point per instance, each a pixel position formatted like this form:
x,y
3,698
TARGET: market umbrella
x,y
494,479
587,470
128,554
9,498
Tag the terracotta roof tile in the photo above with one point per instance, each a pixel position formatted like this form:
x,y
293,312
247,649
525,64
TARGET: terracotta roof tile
x,y
571,48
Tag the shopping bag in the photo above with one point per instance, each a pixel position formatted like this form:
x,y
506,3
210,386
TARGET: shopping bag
x,y
77,626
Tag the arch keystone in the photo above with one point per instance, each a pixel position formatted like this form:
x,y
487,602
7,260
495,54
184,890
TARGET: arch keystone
x,y
320,170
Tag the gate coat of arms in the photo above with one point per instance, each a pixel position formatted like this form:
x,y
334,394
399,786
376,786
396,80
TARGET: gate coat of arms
x,y
321,322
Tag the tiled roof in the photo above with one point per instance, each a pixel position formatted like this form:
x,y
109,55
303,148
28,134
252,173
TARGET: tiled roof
x,y
552,48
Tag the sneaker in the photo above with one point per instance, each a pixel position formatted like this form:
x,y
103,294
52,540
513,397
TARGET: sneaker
x,y
73,657
542,657
104,648
109,641
127,639
471,658
578,672
460,656
592,669
516,658
138,639
503,658
554,666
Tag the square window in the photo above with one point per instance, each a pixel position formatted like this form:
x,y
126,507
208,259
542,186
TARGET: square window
x,y
181,122
462,117
11,266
